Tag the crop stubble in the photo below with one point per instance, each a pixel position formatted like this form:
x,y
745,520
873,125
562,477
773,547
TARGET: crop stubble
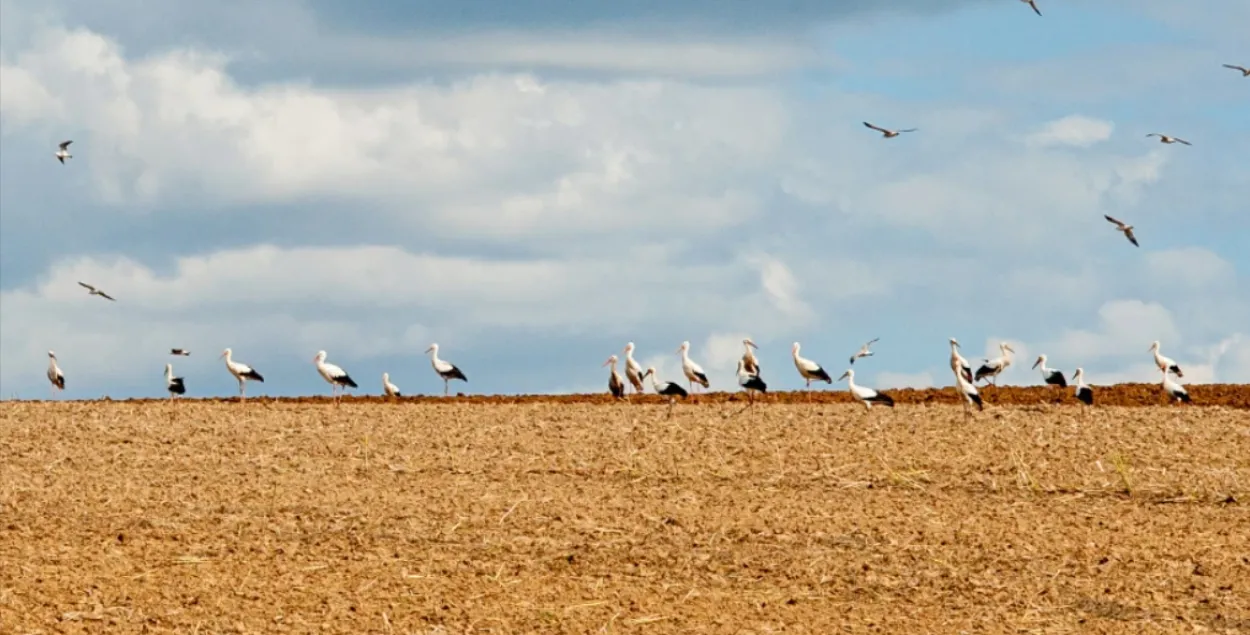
x,y
573,518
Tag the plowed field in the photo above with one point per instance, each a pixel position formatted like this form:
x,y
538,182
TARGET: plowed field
x,y
530,515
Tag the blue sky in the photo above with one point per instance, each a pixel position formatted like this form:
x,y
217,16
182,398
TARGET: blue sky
x,y
534,183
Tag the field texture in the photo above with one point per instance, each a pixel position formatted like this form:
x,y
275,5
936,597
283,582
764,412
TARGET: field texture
x,y
550,516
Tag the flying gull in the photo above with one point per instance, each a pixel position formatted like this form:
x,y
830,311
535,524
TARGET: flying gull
x,y
886,133
1032,3
1166,139
1245,72
1127,229
94,291
863,350
63,154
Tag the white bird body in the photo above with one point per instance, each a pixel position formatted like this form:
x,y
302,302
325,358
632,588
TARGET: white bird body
x,y
863,350
1174,390
1165,364
1050,375
958,363
633,371
54,374
242,372
749,381
992,368
173,384
666,388
808,369
616,385
694,372
968,391
749,362
63,153
389,389
335,376
445,369
864,394
1082,392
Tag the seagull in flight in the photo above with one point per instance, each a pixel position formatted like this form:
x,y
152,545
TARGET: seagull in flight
x,y
1245,72
1166,139
888,134
179,351
94,291
1032,3
1127,229
863,350
63,154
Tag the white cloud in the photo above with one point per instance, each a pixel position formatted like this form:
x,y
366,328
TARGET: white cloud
x,y
1193,268
1074,130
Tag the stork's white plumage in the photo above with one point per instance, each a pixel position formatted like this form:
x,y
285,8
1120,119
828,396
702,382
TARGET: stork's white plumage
x,y
335,376
1165,364
863,350
63,153
809,370
992,368
633,371
242,372
968,391
1174,390
55,375
666,388
445,369
694,372
389,389
958,363
749,362
174,385
1082,392
1050,375
864,394
749,381
615,385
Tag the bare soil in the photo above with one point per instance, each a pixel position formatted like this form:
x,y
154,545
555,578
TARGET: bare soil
x,y
551,516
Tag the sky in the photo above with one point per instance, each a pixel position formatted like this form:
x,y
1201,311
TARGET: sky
x,y
534,183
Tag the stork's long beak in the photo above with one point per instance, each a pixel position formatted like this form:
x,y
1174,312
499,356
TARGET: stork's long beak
x,y
607,362
223,354
752,345
429,349
844,376
1039,360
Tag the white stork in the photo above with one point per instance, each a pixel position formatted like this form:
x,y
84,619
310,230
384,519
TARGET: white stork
x,y
1165,364
666,388
1082,392
863,350
694,372
865,395
958,363
445,369
389,389
242,372
335,376
749,362
1174,390
750,382
808,369
1050,375
615,385
633,371
968,391
63,153
992,368
55,375
174,385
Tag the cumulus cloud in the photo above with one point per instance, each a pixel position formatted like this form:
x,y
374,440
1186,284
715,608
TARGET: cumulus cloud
x,y
1074,130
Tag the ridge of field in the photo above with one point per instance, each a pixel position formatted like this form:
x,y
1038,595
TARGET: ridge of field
x,y
556,517
1132,395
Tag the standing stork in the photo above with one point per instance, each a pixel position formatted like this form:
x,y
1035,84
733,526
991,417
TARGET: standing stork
x,y
694,372
55,375
1050,375
1165,364
749,362
242,372
389,389
1174,390
958,363
1082,392
809,370
666,388
445,369
863,350
615,385
865,395
173,384
749,382
968,391
992,368
633,371
337,377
